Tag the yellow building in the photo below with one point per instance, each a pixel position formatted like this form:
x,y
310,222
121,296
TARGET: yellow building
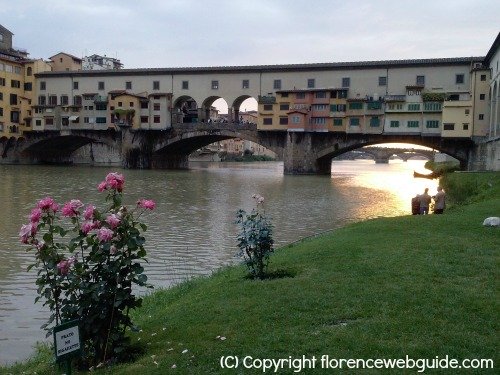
x,y
125,109
11,89
480,87
65,62
16,87
317,110
457,115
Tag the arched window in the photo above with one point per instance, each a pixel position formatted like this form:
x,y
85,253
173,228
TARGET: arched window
x,y
29,71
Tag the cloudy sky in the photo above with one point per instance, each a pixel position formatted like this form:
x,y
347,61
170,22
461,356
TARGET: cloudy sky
x,y
171,33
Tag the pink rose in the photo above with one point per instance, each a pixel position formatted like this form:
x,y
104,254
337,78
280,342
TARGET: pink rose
x,y
146,203
113,250
27,231
71,208
46,203
87,226
76,204
113,221
115,181
102,186
89,212
64,265
105,234
35,215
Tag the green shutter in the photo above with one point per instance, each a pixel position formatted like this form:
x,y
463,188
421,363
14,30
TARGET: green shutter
x,y
394,124
374,122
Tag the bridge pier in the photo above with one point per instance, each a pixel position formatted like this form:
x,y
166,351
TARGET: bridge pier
x,y
299,156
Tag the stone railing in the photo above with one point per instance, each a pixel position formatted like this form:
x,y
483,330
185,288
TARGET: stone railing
x,y
206,126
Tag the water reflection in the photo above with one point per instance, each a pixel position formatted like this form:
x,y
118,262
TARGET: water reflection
x,y
192,230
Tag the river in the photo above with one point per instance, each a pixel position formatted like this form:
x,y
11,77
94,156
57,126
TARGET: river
x,y
191,232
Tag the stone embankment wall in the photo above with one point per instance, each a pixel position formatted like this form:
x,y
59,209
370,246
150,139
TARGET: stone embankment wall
x,y
97,154
485,156
91,154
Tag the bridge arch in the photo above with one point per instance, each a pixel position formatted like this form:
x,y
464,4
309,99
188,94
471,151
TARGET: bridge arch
x,y
237,105
57,148
409,156
339,146
192,140
185,110
171,150
208,104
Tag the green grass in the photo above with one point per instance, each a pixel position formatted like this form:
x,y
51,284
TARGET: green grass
x,y
422,286
468,187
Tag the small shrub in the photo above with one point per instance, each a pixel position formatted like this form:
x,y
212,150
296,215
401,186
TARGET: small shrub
x,y
255,239
442,167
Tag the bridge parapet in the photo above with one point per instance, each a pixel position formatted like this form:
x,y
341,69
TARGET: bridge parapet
x,y
207,126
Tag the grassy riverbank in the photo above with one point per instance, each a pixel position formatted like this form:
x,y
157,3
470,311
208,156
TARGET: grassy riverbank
x,y
422,286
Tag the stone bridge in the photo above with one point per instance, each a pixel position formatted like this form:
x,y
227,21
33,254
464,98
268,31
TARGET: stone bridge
x,y
383,154
301,152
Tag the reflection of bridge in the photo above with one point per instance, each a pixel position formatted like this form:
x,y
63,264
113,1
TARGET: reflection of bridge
x,y
302,152
383,154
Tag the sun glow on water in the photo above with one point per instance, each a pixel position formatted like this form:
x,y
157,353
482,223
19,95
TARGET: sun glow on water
x,y
380,182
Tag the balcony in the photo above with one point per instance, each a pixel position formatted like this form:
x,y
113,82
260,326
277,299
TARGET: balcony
x,y
433,96
395,98
98,99
374,108
262,99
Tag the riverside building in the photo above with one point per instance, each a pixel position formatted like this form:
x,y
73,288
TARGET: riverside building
x,y
17,81
447,97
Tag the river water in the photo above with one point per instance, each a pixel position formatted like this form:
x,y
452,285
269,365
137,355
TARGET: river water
x,y
191,232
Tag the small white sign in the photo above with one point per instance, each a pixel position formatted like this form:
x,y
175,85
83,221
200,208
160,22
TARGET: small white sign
x,y
67,341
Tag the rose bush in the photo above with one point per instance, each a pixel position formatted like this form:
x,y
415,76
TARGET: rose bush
x,y
255,240
88,262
